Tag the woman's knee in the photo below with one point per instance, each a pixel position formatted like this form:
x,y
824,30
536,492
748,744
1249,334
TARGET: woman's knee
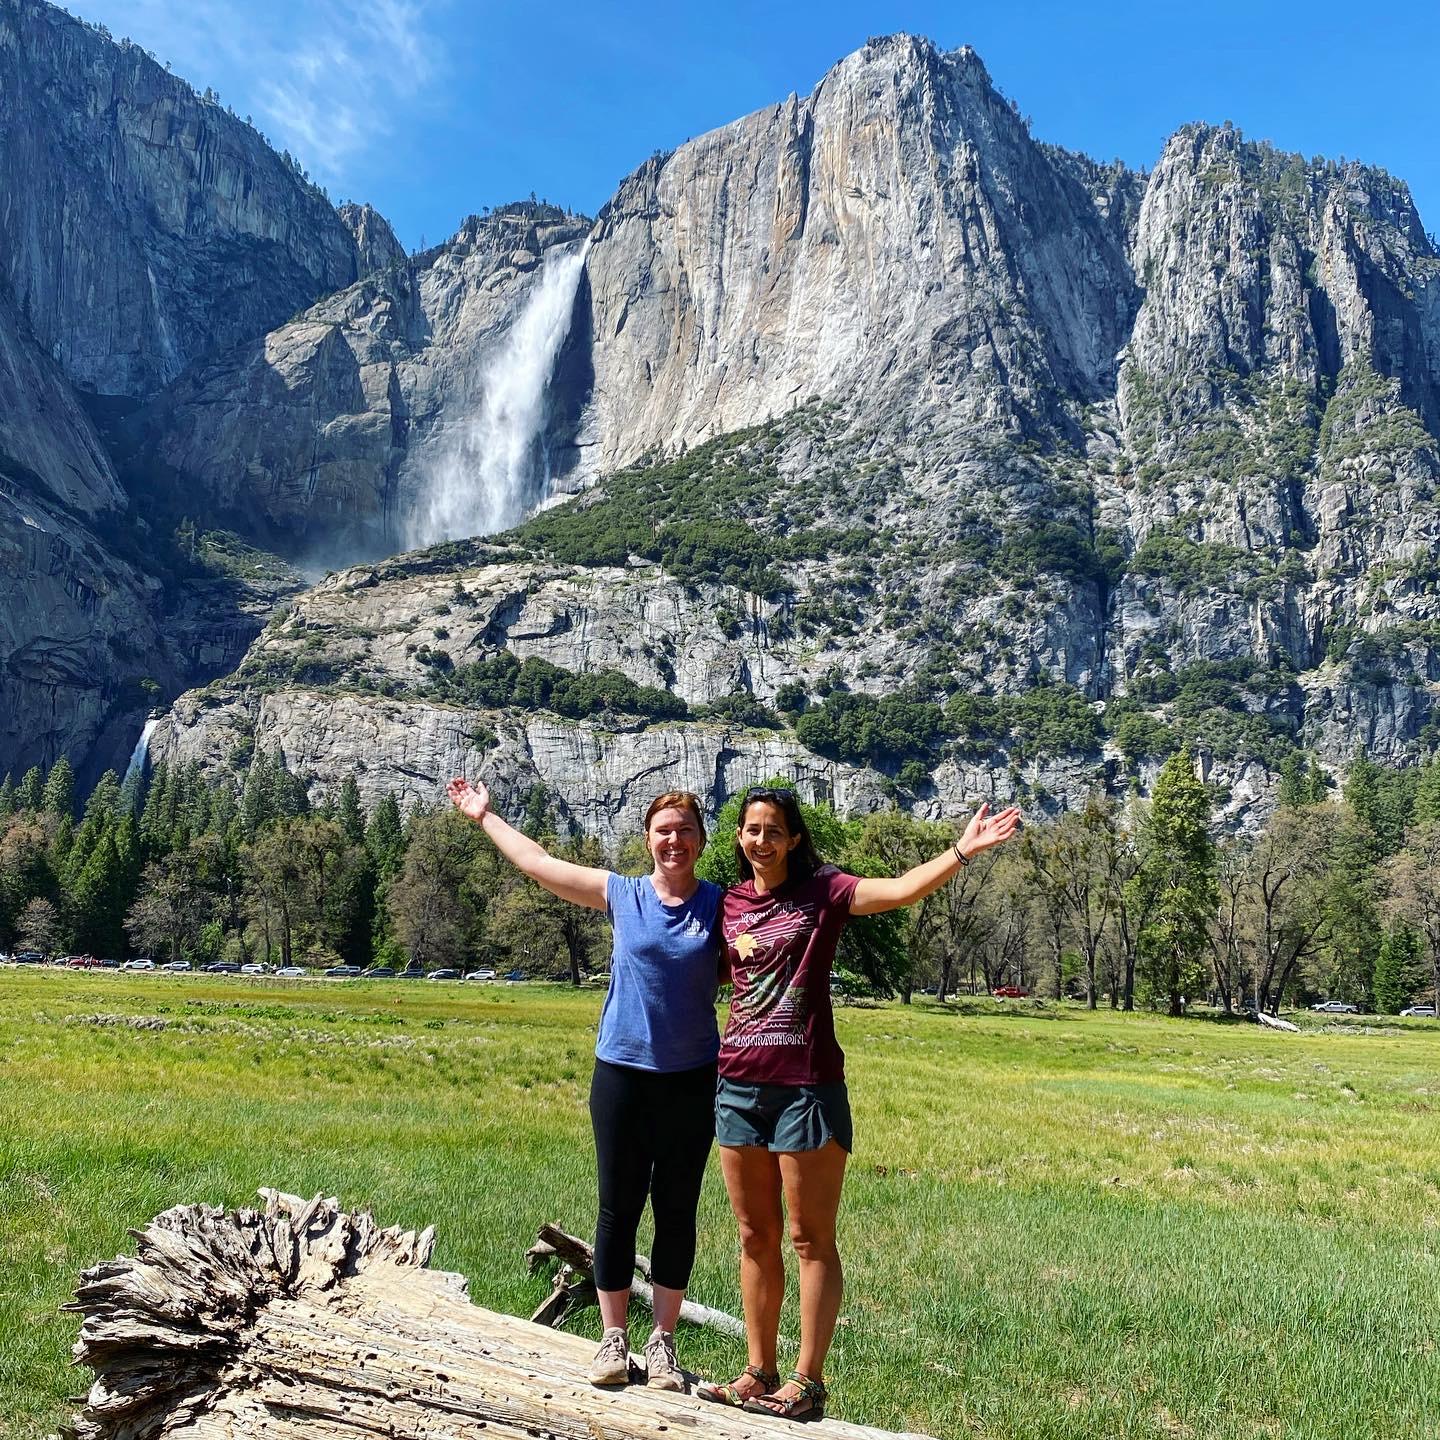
x,y
813,1241
759,1234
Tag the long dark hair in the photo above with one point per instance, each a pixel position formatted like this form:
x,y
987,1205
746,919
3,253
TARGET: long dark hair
x,y
804,859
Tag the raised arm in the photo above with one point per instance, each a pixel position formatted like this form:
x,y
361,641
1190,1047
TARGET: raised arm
x,y
580,884
874,897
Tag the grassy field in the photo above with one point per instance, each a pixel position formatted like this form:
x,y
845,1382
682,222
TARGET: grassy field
x,y
1056,1224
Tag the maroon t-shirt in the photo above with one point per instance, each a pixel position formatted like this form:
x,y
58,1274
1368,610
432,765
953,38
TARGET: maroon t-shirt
x,y
781,946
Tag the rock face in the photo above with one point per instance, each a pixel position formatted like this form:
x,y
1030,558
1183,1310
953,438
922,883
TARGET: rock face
x,y
144,226
323,436
376,247
75,621
895,236
1165,443
599,780
1275,459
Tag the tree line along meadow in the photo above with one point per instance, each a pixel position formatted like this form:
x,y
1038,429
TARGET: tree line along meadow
x,y
1120,903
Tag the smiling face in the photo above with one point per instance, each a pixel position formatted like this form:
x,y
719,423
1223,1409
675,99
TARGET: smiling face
x,y
766,841
674,840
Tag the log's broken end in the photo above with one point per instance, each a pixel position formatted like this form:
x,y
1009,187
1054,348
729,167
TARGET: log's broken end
x,y
301,1321
160,1326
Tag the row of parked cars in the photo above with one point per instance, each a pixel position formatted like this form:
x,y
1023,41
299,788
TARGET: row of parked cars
x,y
1344,1007
283,972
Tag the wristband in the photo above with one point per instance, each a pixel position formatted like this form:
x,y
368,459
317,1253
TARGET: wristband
x,y
959,854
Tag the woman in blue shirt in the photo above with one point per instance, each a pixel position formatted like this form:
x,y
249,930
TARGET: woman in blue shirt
x,y
652,1099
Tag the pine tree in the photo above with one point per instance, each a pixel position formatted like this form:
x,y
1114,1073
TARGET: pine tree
x,y
289,795
105,799
59,794
1294,788
385,837
1427,792
1302,781
1397,970
61,843
1382,800
351,817
154,826
7,797
255,795
1175,883
87,837
99,900
32,790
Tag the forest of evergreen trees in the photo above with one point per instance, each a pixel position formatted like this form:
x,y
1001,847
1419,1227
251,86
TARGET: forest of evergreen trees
x,y
1338,895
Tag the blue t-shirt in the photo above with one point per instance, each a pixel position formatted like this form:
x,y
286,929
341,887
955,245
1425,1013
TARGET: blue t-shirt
x,y
659,1013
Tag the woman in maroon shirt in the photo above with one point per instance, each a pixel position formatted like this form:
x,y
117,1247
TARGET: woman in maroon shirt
x,y
781,1111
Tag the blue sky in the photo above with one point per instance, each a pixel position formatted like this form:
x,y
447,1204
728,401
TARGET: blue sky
x,y
431,109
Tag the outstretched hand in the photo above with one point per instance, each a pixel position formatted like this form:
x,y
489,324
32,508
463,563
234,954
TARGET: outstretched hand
x,y
470,800
985,829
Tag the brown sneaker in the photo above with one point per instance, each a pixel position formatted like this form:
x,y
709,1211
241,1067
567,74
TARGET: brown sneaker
x,y
660,1363
611,1365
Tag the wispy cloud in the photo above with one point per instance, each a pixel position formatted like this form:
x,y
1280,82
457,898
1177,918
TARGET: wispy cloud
x,y
325,79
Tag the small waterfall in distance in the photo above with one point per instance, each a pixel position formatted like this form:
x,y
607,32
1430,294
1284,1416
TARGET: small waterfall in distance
x,y
484,479
141,752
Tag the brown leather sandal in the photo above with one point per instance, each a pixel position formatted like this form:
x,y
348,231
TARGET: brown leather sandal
x,y
809,1404
729,1395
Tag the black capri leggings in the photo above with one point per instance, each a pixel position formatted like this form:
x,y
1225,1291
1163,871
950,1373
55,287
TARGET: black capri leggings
x,y
652,1137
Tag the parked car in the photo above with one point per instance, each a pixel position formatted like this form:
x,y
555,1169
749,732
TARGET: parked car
x,y
222,967
411,972
1420,1012
255,968
378,972
482,975
1335,1007
342,972
28,957
1010,992
82,962
177,966
513,976
139,965
443,975
290,972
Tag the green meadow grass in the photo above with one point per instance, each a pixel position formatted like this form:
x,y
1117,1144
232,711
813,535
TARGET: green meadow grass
x,y
1056,1224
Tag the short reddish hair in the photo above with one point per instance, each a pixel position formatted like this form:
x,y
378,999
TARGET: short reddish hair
x,y
677,800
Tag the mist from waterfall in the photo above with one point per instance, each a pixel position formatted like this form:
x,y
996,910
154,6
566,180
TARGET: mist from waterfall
x,y
493,466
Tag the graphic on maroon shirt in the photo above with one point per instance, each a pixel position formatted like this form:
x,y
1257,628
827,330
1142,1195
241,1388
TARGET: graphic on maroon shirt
x,y
781,946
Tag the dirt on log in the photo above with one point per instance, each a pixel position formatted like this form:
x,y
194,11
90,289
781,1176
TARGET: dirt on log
x,y
303,1320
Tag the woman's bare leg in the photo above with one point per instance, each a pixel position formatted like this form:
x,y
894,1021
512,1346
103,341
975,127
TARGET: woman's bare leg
x,y
812,1181
667,1307
752,1178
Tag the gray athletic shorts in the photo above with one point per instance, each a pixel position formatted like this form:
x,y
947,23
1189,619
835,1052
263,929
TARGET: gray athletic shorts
x,y
783,1118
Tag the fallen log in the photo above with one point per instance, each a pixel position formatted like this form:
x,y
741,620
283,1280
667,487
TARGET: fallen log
x,y
301,1321
575,1283
1274,1022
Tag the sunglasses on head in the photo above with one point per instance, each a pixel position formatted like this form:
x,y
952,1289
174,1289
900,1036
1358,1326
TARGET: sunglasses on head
x,y
766,792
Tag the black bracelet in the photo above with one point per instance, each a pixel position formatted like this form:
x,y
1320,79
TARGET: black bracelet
x,y
959,855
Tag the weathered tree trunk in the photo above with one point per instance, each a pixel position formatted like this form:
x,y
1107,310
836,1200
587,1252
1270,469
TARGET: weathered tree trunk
x,y
303,1322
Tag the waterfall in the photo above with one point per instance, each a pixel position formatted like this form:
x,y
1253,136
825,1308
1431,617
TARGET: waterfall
x,y
141,752
494,466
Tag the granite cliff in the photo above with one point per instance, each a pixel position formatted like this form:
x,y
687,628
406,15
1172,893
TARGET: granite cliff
x,y
143,226
916,458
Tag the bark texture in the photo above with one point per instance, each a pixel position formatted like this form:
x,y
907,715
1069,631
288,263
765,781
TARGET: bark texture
x,y
303,1320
